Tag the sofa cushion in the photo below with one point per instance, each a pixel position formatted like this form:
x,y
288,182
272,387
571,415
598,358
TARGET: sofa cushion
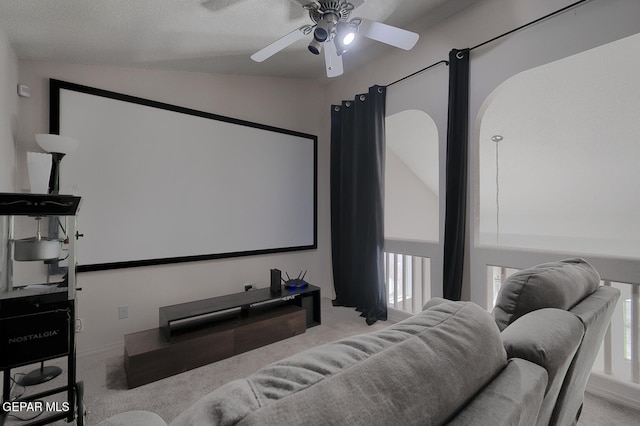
x,y
134,418
420,370
559,284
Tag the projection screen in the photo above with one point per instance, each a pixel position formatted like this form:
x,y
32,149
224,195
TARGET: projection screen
x,y
164,184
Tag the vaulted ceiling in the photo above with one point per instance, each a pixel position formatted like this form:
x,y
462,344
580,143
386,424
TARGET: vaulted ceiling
x,y
216,36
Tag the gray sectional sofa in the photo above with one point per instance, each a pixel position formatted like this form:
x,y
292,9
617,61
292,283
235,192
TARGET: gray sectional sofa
x,y
526,363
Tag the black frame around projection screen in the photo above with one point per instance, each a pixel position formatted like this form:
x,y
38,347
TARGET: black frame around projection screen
x,y
165,184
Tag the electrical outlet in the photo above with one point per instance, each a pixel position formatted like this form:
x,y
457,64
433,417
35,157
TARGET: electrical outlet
x,y
79,325
123,312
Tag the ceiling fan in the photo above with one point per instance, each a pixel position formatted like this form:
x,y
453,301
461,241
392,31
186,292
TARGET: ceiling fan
x,y
335,32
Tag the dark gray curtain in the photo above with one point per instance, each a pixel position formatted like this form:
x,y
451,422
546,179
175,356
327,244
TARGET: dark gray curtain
x,y
456,174
357,197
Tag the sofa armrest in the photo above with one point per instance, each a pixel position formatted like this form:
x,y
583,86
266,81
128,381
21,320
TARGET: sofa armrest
x,y
514,397
550,338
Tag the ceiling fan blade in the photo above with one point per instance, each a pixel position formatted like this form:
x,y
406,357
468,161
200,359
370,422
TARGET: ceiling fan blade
x,y
217,5
387,34
281,43
303,3
332,61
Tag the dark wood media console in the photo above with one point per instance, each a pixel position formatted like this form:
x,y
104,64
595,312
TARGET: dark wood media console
x,y
197,333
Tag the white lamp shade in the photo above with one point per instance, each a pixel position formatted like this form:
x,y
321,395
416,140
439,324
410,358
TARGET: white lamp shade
x,y
39,169
56,143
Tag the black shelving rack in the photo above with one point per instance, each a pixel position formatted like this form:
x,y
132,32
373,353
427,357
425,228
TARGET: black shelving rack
x,y
37,322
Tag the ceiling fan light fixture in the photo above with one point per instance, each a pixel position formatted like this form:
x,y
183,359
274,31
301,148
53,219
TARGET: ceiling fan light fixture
x,y
346,35
315,46
348,38
348,30
321,33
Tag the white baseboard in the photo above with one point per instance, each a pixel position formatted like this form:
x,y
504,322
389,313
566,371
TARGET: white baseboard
x,y
116,348
615,390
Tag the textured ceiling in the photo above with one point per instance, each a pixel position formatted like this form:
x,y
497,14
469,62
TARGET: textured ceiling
x,y
215,36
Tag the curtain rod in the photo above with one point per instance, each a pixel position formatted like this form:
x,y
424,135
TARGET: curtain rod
x,y
557,12
418,72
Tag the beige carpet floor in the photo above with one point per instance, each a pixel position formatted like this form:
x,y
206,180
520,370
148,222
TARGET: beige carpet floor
x,y
106,392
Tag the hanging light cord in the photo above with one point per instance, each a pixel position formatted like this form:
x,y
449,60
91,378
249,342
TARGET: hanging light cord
x,y
497,197
497,139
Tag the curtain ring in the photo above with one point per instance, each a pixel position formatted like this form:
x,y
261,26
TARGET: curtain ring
x,y
336,108
458,55
347,104
363,98
379,89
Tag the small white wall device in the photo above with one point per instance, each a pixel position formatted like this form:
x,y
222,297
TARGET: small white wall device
x,y
24,91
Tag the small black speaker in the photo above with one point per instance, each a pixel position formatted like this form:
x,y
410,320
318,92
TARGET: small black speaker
x,y
276,277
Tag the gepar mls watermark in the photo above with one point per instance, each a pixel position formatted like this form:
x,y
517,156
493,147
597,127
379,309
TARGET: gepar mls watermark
x,y
35,406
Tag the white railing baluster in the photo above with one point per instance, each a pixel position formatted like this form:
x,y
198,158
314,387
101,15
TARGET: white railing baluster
x,y
426,281
395,280
416,275
387,274
408,281
635,333
608,345
404,282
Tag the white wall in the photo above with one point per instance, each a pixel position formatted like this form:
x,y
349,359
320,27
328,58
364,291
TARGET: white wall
x,y
8,113
593,24
574,120
291,104
476,24
410,206
411,187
